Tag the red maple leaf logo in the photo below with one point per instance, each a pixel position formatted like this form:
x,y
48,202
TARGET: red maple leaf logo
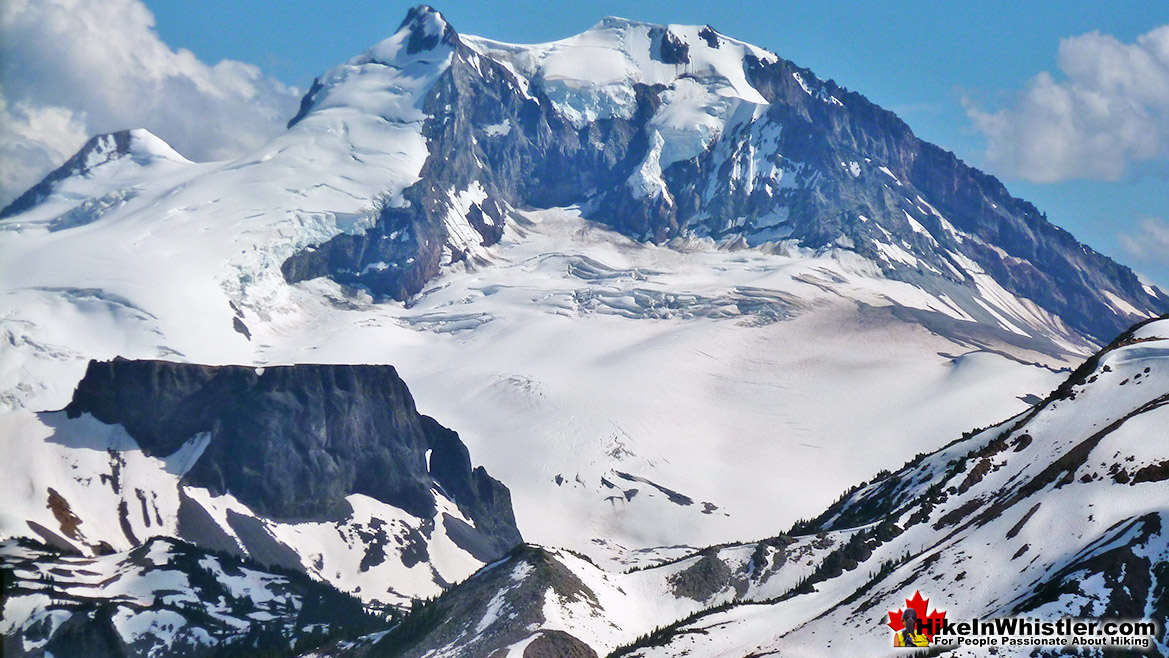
x,y
930,624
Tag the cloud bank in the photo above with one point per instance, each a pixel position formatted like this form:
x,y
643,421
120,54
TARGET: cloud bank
x,y
70,69
1109,111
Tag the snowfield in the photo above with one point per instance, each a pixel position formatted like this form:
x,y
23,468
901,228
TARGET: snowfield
x,y
1057,512
594,357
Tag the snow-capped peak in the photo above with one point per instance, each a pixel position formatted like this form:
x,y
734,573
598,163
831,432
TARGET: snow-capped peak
x,y
140,144
391,79
424,34
112,155
590,75
426,29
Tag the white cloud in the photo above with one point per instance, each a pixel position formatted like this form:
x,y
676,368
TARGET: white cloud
x,y
34,140
73,68
1150,242
1109,111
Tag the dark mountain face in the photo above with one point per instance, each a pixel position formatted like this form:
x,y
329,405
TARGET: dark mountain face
x,y
292,442
842,173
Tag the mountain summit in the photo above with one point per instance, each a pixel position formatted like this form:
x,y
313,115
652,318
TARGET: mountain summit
x,y
668,131
661,132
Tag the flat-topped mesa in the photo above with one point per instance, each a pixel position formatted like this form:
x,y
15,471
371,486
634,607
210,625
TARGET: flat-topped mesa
x,y
292,442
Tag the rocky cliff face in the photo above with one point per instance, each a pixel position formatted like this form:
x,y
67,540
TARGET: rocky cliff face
x,y
694,133
291,442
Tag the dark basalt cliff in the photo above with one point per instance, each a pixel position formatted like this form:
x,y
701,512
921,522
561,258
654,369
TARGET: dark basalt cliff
x,y
292,442
854,176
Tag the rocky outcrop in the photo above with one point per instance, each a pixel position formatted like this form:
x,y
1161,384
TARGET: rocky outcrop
x,y
292,442
497,608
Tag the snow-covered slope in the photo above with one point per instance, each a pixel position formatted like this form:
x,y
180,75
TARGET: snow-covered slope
x,y
1060,512
102,176
562,602
1057,512
164,598
594,356
667,131
601,360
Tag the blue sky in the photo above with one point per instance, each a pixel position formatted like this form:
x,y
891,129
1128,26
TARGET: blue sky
x,y
961,74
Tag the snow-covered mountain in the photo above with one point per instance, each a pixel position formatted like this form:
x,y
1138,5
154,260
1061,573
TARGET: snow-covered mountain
x,y
634,270
165,598
1057,512
667,131
411,156
1060,511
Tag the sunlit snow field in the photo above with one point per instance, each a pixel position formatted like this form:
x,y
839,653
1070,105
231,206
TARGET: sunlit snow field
x,y
577,365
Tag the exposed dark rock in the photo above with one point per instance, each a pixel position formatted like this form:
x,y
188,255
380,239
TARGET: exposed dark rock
x,y
671,495
1129,577
709,36
306,102
1152,473
673,50
241,328
515,602
558,644
292,442
543,161
702,580
975,475
427,30
1022,522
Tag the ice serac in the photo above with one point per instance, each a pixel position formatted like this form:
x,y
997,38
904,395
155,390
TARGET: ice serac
x,y
664,131
293,442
